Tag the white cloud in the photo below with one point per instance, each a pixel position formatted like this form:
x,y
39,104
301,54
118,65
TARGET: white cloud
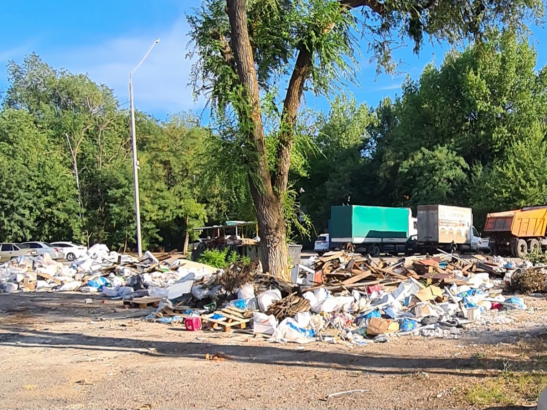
x,y
161,83
396,86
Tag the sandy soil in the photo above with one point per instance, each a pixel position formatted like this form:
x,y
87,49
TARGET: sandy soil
x,y
59,352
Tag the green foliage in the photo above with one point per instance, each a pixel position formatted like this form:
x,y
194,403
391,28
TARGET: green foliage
x,y
46,113
37,194
470,132
221,259
436,177
537,258
336,164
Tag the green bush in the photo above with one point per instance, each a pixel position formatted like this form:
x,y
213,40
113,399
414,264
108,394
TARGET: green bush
x,y
537,257
222,259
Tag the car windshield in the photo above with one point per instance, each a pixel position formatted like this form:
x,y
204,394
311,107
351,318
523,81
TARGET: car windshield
x,y
24,245
48,244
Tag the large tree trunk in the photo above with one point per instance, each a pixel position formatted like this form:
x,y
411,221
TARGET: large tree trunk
x,y
272,232
268,202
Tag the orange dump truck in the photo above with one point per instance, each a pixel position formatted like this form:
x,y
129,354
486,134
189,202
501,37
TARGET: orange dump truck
x,y
517,232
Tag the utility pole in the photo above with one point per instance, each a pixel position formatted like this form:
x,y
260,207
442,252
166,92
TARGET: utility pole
x,y
134,147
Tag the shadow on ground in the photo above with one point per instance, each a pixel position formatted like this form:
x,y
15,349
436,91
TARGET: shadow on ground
x,y
271,354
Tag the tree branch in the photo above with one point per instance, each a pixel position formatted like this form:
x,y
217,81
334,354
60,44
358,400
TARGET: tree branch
x,y
226,50
293,98
241,45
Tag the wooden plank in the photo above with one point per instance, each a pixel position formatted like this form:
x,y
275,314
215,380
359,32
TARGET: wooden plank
x,y
240,319
231,312
356,278
354,285
142,303
145,300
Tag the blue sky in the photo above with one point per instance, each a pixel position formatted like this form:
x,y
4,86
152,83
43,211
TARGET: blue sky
x,y
106,39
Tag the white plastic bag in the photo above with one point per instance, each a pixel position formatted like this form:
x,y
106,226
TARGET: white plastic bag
x,y
158,292
98,251
199,292
263,323
70,286
267,298
252,304
321,294
285,332
247,291
311,297
303,319
10,287
333,304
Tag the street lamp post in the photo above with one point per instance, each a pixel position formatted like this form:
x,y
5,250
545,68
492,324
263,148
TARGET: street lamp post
x,y
134,146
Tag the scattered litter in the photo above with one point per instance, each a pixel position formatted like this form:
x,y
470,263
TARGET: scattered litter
x,y
344,393
219,356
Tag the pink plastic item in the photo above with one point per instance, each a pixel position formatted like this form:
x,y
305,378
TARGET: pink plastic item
x,y
372,289
192,323
496,305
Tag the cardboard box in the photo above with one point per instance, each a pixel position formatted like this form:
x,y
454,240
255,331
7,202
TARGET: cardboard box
x,y
430,293
378,326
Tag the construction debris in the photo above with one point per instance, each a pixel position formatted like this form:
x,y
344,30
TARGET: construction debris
x,y
165,275
288,307
341,297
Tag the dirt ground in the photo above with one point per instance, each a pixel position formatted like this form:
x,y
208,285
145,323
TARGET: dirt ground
x,y
57,351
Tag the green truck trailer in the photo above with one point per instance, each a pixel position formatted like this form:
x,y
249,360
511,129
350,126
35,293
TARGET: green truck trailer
x,y
371,229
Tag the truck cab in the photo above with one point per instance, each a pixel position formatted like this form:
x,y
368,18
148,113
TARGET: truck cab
x,y
477,242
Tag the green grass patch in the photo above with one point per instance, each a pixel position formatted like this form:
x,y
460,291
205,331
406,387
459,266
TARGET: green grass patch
x,y
507,389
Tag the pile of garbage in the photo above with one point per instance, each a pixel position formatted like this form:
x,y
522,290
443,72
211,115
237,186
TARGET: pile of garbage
x,y
345,297
340,297
102,271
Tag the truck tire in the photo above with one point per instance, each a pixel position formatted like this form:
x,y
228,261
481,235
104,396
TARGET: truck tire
x,y
375,251
533,246
522,249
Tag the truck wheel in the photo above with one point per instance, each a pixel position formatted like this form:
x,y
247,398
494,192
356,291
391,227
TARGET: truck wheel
x,y
375,251
533,246
522,249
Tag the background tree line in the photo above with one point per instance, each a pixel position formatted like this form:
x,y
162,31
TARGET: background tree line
x,y
470,132
66,170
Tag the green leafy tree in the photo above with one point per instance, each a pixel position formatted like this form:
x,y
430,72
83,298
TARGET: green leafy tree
x,y
37,193
335,166
434,177
243,47
518,180
460,126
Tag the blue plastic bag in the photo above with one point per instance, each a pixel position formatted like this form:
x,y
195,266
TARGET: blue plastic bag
x,y
469,304
517,302
169,320
407,325
467,293
375,313
239,303
217,316
98,283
